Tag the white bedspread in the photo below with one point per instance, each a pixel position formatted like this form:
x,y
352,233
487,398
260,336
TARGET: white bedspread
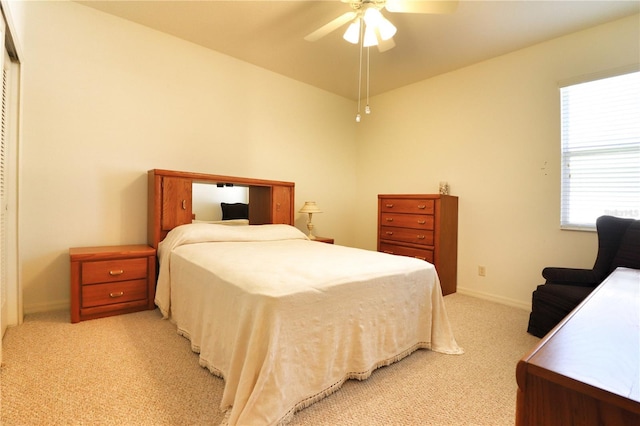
x,y
285,321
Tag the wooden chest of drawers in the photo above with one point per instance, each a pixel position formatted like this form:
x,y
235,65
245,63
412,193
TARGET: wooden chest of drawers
x,y
111,280
422,226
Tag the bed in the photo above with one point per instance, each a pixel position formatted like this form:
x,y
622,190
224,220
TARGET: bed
x,y
285,321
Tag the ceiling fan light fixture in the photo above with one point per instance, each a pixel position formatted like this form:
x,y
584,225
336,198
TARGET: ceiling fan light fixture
x,y
372,16
376,23
368,27
387,29
352,35
370,38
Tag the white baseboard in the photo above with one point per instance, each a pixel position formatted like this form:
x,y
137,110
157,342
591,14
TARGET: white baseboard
x,y
35,308
494,298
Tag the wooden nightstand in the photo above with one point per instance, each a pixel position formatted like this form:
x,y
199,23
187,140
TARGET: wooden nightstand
x,y
324,240
111,280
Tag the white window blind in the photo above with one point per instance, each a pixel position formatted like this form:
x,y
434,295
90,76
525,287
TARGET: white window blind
x,y
600,150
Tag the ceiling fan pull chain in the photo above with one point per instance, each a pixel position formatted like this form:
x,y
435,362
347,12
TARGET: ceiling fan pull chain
x,y
367,109
358,117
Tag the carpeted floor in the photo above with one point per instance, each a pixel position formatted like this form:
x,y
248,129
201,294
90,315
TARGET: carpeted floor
x,y
135,370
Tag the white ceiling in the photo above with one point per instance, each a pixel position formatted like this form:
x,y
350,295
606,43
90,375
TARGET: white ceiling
x,y
270,34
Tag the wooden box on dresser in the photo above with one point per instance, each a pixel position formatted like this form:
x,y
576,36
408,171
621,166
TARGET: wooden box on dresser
x,y
111,280
424,226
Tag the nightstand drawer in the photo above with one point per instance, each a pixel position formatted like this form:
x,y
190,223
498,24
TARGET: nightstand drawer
x,y
107,294
414,236
114,270
423,254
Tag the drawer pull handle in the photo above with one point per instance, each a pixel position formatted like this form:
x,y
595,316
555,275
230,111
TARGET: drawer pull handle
x,y
388,251
389,232
422,222
115,273
422,206
421,258
114,295
184,204
389,219
389,206
421,237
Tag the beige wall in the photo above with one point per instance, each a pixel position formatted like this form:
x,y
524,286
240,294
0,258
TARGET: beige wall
x,y
492,131
105,100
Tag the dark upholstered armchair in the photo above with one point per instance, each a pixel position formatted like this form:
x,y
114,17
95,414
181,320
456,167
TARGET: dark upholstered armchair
x,y
565,288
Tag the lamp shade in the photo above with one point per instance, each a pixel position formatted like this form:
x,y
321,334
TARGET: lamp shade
x,y
352,35
310,207
387,29
372,16
370,38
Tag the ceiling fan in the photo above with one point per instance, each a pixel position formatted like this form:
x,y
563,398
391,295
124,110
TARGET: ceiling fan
x,y
377,30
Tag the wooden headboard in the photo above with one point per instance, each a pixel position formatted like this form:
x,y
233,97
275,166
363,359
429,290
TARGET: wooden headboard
x,y
170,200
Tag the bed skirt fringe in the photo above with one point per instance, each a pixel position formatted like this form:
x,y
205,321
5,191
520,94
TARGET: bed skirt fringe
x,y
357,375
360,375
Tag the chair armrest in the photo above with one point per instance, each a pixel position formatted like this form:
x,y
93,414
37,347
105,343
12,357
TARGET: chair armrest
x,y
572,276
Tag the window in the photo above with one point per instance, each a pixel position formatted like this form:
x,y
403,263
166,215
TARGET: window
x,y
600,150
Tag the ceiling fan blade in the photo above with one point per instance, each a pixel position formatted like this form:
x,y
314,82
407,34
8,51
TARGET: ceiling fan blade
x,y
331,26
421,6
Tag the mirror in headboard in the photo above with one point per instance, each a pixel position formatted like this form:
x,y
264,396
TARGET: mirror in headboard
x,y
221,201
171,200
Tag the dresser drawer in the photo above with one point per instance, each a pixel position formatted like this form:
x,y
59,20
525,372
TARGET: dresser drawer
x,y
119,292
415,221
114,270
414,236
423,254
403,205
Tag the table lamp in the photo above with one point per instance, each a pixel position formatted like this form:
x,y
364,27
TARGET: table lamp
x,y
310,207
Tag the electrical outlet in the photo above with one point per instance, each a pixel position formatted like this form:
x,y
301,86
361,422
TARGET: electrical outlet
x,y
482,271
